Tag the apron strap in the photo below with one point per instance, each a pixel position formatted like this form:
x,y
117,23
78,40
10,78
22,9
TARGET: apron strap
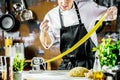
x,y
78,15
61,21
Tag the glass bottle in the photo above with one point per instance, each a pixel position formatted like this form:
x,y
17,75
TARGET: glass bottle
x,y
97,66
97,71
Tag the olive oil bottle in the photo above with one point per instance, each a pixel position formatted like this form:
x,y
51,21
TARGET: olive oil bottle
x,y
97,71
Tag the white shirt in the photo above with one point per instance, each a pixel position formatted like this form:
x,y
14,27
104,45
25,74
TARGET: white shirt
x,y
89,13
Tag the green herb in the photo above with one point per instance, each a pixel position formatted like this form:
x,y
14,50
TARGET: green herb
x,y
18,63
107,52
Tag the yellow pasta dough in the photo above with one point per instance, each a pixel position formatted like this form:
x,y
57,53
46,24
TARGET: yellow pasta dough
x,y
78,72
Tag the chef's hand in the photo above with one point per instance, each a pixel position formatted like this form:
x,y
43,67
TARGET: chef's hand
x,y
44,36
44,26
112,12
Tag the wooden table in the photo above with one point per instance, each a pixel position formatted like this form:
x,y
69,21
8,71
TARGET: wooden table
x,y
49,75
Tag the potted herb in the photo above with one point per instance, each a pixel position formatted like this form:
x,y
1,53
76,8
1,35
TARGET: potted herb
x,y
18,66
118,51
107,52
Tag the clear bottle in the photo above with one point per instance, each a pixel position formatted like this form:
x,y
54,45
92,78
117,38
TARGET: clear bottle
x,y
97,71
97,66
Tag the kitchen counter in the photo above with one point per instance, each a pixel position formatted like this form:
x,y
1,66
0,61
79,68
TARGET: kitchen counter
x,y
49,75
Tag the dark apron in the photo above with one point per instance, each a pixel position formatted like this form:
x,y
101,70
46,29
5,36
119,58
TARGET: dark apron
x,y
83,55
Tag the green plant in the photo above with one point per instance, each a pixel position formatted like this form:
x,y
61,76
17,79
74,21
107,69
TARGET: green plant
x,y
118,46
107,52
18,63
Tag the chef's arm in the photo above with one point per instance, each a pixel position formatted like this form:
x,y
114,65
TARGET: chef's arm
x,y
111,12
